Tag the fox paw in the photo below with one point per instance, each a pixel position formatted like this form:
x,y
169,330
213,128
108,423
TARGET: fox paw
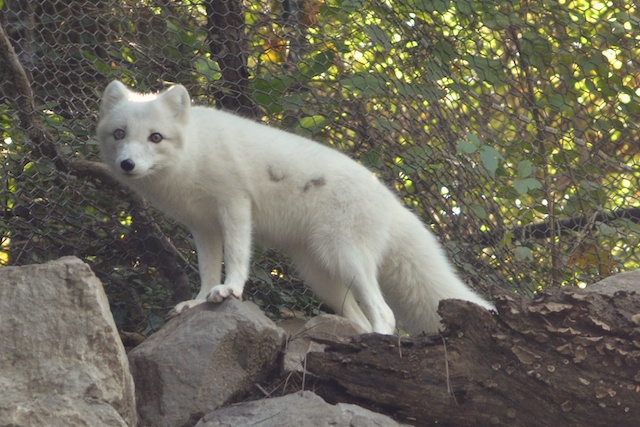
x,y
185,305
221,292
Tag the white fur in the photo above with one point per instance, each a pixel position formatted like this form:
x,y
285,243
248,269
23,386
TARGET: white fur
x,y
230,179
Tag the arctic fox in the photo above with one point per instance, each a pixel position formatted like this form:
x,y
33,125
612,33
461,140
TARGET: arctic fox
x,y
230,180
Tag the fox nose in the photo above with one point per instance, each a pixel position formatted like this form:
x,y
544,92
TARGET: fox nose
x,y
127,165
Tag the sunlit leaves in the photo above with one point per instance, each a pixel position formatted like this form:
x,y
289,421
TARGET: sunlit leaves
x,y
311,125
525,110
317,64
487,70
365,83
430,5
536,49
208,68
378,36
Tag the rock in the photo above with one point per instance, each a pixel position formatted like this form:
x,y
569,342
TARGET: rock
x,y
295,410
201,359
61,411
628,281
324,326
61,360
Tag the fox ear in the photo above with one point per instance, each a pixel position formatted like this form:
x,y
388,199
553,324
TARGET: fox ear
x,y
114,93
179,102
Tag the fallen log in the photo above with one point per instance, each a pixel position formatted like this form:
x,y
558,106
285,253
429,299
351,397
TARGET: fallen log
x,y
566,358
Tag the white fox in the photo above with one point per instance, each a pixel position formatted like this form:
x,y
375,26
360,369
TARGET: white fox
x,y
230,179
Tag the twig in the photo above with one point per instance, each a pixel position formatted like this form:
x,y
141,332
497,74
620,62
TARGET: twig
x,y
446,366
304,367
265,392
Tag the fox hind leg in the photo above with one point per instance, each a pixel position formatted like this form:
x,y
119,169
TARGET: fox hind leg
x,y
351,289
330,291
356,268
367,291
342,301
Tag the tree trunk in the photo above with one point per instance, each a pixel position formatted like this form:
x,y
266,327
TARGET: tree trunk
x,y
228,45
567,358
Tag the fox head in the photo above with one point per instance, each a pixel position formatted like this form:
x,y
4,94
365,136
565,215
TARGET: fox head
x,y
141,134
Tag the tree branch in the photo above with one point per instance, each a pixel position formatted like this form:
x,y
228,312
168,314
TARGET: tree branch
x,y
16,83
544,230
569,357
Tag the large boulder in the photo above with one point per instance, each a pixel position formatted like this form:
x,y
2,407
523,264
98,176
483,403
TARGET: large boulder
x,y
301,409
202,359
61,360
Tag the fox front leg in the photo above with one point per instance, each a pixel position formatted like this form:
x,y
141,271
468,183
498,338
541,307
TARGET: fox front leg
x,y
209,249
235,224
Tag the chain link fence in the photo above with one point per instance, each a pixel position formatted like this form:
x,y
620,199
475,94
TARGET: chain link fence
x,y
511,127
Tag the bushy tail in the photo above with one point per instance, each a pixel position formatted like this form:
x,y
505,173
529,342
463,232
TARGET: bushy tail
x,y
416,275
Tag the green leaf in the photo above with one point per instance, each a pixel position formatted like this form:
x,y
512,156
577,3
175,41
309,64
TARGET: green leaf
x,y
371,159
465,8
293,102
445,51
473,138
470,146
208,68
466,147
432,5
497,21
479,211
386,125
310,125
490,158
268,92
367,84
606,230
319,63
261,274
418,154
523,253
378,36
525,168
537,49
353,5
431,92
488,70
523,186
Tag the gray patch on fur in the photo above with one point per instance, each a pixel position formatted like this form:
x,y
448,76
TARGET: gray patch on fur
x,y
275,176
315,182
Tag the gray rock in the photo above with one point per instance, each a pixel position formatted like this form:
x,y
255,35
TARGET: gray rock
x,y
327,326
295,410
628,281
61,411
201,359
61,360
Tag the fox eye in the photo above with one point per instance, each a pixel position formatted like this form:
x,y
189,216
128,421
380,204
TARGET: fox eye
x,y
155,137
118,134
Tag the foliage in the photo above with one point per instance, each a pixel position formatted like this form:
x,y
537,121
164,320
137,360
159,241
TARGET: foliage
x,y
486,116
504,102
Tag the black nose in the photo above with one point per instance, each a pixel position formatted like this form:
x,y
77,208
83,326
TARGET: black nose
x,y
127,165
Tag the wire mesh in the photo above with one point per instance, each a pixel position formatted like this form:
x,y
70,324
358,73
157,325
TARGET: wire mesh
x,y
510,127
